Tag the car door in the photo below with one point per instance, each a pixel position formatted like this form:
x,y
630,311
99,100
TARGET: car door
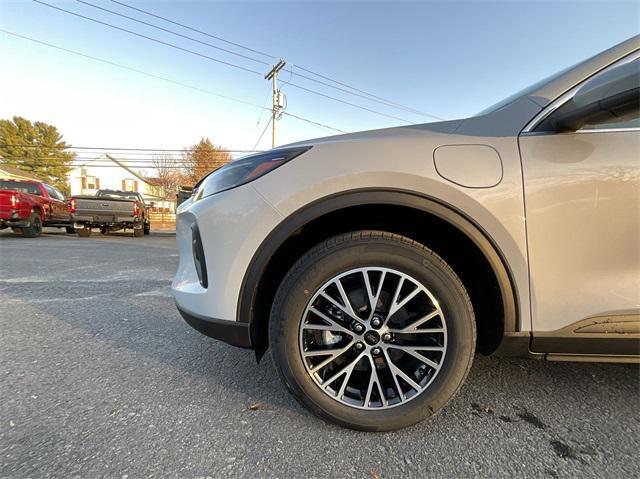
x,y
581,170
57,207
63,207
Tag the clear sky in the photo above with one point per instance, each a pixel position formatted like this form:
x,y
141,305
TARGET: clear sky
x,y
450,59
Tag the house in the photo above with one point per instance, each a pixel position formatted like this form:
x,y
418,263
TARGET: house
x,y
14,173
107,173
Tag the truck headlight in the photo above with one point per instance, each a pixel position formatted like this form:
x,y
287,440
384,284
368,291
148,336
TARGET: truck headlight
x,y
244,170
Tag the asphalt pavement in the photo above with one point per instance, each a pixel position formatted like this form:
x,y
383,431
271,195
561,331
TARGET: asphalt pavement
x,y
101,377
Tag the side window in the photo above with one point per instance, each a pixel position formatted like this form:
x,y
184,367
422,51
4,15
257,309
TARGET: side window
x,y
609,100
58,194
50,191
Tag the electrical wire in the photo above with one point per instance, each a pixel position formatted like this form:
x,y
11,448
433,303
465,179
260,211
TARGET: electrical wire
x,y
263,132
363,94
172,32
158,77
345,102
143,151
161,42
321,125
194,29
186,50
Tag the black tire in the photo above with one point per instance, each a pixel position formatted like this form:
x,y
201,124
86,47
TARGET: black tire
x,y
84,232
366,249
35,226
138,232
70,230
147,228
104,231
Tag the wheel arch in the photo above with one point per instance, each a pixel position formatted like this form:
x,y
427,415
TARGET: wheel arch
x,y
254,309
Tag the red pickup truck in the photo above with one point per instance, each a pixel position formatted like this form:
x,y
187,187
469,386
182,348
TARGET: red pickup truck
x,y
26,206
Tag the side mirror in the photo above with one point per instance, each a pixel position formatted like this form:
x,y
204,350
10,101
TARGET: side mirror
x,y
607,96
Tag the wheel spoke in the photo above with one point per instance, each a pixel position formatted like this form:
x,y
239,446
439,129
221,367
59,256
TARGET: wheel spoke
x,y
395,305
338,305
323,352
331,358
396,371
374,381
345,299
413,327
344,370
345,381
373,299
334,325
391,367
413,351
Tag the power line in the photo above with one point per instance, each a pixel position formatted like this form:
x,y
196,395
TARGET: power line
x,y
172,32
345,102
369,96
158,77
380,99
361,93
186,50
144,167
194,30
321,125
114,148
263,132
161,42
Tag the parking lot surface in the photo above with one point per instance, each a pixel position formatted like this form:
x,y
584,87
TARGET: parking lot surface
x,y
100,376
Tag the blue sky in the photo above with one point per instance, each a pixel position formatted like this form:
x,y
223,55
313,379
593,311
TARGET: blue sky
x,y
450,59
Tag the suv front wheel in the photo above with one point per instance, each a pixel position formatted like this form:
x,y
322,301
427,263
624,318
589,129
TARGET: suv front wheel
x,y
372,331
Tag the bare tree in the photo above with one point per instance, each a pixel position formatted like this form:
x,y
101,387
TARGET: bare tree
x,y
168,175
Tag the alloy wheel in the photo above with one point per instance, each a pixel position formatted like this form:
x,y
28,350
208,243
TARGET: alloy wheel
x,y
373,338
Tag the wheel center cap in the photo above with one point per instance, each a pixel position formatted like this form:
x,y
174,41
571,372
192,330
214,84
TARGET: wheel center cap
x,y
372,338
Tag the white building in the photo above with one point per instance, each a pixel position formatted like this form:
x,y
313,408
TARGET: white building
x,y
107,173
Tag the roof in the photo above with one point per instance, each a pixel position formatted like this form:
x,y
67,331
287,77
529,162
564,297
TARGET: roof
x,y
117,162
15,171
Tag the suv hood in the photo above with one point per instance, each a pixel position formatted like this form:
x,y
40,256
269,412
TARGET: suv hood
x,y
441,127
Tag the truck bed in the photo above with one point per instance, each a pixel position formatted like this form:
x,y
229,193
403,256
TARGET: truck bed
x,y
103,210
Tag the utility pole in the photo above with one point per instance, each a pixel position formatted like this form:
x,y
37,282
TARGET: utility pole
x,y
276,97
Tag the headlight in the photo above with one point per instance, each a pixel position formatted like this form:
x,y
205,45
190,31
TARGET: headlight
x,y
244,170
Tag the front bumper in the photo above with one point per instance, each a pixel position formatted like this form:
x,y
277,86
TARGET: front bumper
x,y
232,226
234,333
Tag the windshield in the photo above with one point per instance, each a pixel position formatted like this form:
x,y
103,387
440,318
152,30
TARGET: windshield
x,y
21,186
118,195
523,92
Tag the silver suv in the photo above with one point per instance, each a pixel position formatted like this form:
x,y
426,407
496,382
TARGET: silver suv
x,y
374,265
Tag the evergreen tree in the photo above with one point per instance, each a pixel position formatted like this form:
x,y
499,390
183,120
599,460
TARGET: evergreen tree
x,y
37,148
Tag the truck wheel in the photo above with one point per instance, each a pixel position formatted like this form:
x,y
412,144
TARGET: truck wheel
x,y
84,232
372,331
35,226
70,230
147,228
138,232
